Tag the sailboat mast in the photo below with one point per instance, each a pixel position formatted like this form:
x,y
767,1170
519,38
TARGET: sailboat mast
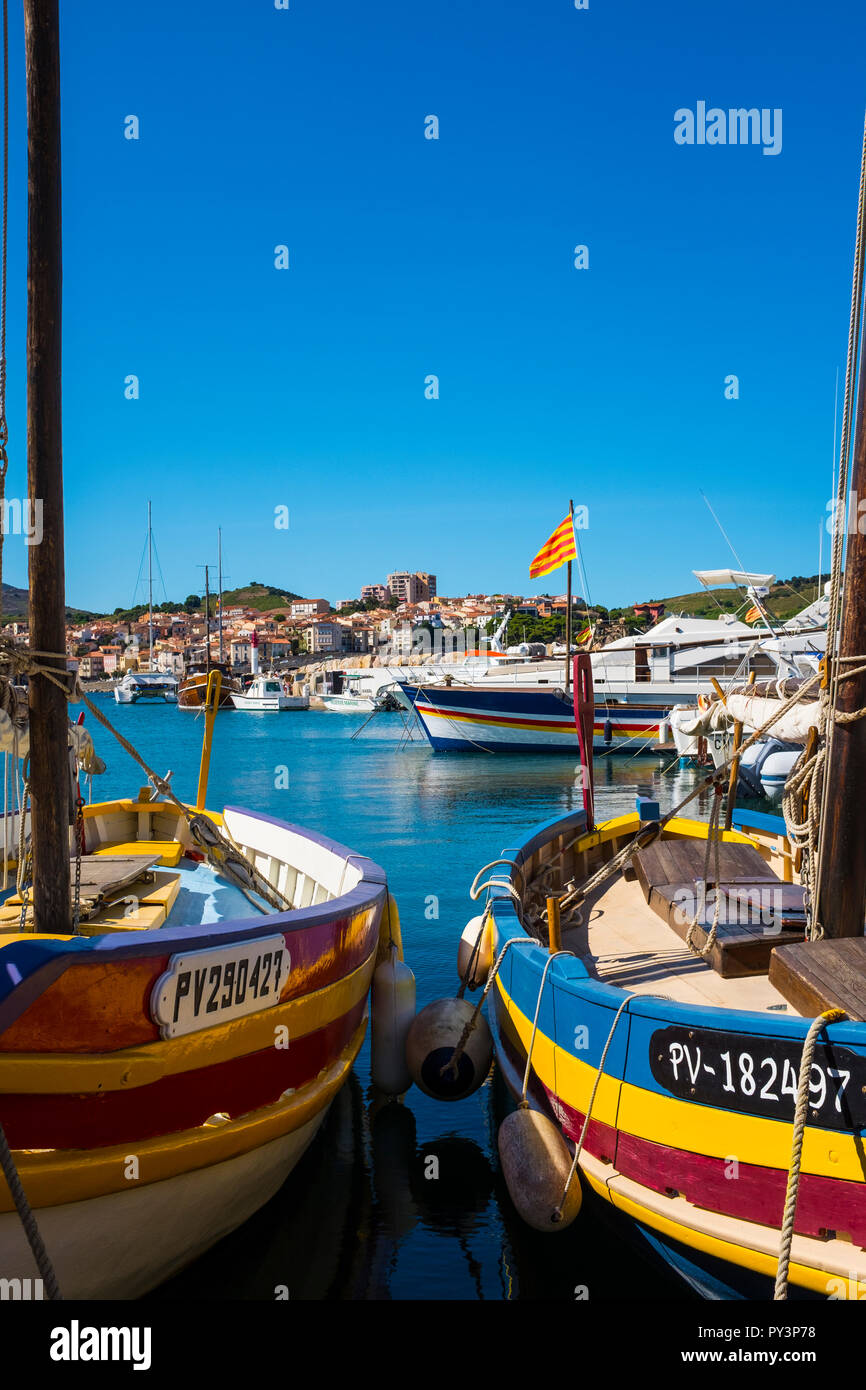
x,y
206,619
150,587
842,871
220,602
568,610
49,764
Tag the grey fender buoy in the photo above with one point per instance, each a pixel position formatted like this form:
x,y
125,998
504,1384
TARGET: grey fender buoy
x,y
484,955
536,1164
433,1036
392,1010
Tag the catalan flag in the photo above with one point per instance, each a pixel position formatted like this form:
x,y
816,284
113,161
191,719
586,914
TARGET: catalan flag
x,y
584,635
556,551
753,615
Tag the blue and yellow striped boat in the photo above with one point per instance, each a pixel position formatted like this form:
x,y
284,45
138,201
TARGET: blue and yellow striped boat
x,y
690,1134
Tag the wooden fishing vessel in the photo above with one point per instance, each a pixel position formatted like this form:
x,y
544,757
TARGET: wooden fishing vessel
x,y
182,992
165,1066
192,690
680,1006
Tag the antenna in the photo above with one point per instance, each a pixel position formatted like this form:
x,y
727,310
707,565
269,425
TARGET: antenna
x,y
759,605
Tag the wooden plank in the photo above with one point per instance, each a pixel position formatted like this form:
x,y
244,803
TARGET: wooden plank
x,y
740,948
818,975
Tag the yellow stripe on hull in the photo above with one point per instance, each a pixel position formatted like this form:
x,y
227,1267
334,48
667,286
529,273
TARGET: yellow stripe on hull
x,y
51,1177
826,1267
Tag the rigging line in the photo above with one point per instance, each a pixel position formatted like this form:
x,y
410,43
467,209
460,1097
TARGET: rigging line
x,y
4,429
159,570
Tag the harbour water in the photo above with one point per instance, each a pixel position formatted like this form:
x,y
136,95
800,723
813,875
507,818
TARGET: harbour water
x,y
364,1215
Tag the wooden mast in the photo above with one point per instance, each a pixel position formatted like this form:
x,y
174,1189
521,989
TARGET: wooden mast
x,y
149,588
206,620
842,870
568,609
220,599
49,763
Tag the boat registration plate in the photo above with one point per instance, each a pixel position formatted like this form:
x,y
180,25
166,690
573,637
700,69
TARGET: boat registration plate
x,y
737,1071
202,988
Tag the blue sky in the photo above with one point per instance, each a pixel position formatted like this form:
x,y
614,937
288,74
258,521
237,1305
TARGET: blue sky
x,y
408,257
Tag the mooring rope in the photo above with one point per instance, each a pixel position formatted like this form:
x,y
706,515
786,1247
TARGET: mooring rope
x,y
793,1185
217,844
28,1220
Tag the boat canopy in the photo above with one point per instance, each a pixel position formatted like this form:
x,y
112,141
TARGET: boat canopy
x,y
711,579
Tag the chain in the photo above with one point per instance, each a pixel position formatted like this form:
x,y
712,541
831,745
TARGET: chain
x,y
79,839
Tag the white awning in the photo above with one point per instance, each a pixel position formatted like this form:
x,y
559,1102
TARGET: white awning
x,y
712,579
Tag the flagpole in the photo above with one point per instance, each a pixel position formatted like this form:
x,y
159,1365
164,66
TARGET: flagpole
x,y
568,610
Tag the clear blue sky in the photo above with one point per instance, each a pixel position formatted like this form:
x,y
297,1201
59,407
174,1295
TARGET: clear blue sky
x,y
409,256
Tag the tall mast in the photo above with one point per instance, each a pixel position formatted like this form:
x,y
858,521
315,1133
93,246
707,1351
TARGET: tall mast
x,y
220,607
206,619
150,586
841,876
842,871
49,764
568,610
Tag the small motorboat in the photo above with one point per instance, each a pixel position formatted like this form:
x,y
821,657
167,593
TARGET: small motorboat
x,y
151,686
266,694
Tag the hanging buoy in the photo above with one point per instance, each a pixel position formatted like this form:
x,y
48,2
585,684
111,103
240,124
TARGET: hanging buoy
x,y
536,1164
608,731
483,956
433,1038
391,1013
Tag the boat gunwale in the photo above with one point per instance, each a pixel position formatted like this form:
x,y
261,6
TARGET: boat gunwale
x,y
58,954
572,975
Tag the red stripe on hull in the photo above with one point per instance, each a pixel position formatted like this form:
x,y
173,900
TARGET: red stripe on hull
x,y
754,1194
745,1190
177,1102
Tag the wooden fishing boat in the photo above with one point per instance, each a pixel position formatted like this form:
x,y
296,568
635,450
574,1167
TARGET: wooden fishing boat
x,y
680,1006
193,688
164,1068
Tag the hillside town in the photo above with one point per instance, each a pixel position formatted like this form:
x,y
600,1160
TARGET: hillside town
x,y
388,620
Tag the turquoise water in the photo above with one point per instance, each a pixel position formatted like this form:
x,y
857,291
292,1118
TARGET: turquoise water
x,y
358,1218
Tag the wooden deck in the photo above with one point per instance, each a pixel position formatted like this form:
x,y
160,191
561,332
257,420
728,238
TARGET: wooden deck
x,y
624,943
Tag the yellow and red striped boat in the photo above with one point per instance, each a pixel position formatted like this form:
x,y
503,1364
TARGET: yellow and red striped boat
x,y
163,1070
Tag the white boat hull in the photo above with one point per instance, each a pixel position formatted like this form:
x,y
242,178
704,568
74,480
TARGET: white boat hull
x,y
265,704
123,1244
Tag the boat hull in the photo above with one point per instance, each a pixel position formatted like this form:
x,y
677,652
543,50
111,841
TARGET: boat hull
x,y
460,719
701,1167
193,691
124,1244
142,1136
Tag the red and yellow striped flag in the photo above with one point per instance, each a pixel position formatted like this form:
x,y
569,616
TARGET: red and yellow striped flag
x,y
753,615
556,551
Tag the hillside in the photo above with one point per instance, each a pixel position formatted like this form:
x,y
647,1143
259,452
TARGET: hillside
x,y
260,596
786,597
16,601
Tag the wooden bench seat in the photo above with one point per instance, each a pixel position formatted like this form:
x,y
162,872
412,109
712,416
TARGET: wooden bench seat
x,y
753,920
682,861
818,975
758,912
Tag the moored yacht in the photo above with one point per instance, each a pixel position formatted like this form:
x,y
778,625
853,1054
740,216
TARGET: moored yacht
x,y
146,685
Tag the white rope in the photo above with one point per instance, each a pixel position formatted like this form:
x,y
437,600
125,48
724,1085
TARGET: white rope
x,y
829,1016
556,1215
547,964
